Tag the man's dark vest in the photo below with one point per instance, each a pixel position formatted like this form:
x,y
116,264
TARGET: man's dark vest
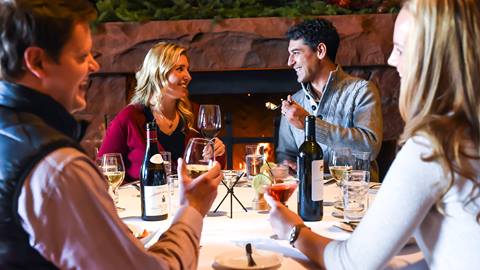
x,y
32,125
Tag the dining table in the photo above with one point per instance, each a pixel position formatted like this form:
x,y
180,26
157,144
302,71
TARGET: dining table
x,y
223,233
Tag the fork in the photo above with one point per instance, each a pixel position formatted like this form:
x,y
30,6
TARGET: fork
x,y
272,106
269,105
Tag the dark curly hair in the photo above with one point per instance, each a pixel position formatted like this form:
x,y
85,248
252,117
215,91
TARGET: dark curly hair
x,y
47,24
314,32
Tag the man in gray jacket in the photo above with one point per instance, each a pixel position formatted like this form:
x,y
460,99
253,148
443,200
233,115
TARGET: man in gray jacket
x,y
348,109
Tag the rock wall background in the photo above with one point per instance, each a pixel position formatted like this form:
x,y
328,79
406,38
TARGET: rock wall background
x,y
235,44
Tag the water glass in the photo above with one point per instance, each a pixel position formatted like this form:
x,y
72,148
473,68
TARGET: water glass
x,y
254,160
355,194
174,194
361,160
167,161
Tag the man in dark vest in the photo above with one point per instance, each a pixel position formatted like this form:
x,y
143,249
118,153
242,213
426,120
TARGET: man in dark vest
x,y
55,211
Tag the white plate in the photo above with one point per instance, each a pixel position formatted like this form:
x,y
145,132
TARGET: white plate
x,y
238,260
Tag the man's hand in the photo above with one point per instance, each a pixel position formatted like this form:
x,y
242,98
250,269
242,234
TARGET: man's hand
x,y
281,218
294,113
201,191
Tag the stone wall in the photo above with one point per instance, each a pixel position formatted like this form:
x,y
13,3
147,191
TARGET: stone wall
x,y
235,44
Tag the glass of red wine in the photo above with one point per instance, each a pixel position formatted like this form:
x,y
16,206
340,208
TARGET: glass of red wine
x,y
209,120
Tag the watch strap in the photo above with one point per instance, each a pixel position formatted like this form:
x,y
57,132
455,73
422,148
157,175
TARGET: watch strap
x,y
295,232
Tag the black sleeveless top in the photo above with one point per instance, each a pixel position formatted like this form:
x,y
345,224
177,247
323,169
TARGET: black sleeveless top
x,y
173,143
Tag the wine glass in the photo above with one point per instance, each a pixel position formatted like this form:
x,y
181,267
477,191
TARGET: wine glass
x,y
198,156
114,171
281,191
339,164
209,120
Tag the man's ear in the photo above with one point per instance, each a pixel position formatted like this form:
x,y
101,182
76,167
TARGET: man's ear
x,y
35,59
321,51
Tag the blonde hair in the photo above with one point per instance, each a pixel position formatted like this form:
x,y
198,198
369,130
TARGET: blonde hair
x,y
152,78
439,95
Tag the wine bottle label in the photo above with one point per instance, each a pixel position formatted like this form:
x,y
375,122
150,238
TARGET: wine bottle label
x,y
156,200
156,159
317,180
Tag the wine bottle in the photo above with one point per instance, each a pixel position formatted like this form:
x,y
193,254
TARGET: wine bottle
x,y
153,180
310,175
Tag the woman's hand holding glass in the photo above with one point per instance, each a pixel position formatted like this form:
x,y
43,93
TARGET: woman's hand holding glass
x,y
198,156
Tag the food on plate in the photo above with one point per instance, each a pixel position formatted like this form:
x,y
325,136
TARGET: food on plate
x,y
138,232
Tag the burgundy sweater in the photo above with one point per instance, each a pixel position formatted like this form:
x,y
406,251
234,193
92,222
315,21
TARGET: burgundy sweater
x,y
126,134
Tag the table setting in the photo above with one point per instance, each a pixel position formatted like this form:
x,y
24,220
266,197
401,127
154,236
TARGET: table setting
x,y
225,235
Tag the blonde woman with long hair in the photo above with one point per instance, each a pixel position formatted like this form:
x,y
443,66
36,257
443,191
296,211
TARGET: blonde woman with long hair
x,y
431,191
161,95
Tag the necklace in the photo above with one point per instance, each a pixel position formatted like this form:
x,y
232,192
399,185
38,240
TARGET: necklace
x,y
166,120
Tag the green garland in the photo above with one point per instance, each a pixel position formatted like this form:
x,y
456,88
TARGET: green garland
x,y
145,10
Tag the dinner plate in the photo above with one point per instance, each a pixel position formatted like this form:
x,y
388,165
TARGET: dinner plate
x,y
238,260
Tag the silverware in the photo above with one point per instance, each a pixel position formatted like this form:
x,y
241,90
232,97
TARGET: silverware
x,y
271,106
351,224
343,228
248,249
329,181
135,184
327,203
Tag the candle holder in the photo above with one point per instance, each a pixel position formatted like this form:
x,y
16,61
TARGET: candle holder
x,y
230,191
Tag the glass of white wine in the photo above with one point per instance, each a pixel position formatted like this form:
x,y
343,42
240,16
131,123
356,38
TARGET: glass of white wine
x,y
340,163
114,171
198,156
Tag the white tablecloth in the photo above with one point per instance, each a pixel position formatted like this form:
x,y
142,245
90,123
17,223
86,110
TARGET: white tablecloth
x,y
222,233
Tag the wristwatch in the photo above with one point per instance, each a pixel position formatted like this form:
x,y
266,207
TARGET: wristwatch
x,y
295,232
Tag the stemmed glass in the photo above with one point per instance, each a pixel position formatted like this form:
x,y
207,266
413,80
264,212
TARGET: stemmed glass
x,y
339,164
209,120
282,191
114,171
198,156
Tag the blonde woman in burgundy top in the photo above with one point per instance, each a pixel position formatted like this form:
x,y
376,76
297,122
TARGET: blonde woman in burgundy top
x,y
161,95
